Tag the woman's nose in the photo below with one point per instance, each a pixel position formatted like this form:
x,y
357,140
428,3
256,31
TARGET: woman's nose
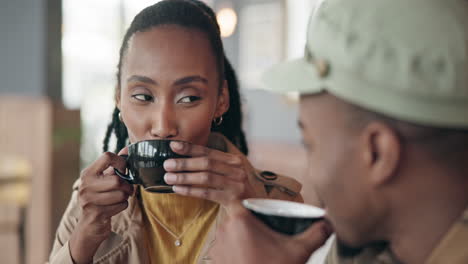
x,y
164,123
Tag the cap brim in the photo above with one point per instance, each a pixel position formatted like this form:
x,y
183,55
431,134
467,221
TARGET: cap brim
x,y
293,76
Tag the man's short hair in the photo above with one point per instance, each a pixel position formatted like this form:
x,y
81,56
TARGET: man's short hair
x,y
447,145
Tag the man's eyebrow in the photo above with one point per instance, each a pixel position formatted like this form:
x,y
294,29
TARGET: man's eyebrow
x,y
139,78
189,79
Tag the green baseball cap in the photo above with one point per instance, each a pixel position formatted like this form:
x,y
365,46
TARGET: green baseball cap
x,y
407,59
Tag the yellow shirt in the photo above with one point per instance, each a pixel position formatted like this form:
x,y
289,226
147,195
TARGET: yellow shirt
x,y
191,217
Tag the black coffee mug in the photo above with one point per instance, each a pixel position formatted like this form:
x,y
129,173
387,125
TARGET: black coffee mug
x,y
145,165
285,217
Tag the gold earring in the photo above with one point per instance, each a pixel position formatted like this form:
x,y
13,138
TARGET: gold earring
x,y
217,121
120,117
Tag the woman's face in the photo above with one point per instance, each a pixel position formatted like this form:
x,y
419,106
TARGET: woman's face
x,y
170,86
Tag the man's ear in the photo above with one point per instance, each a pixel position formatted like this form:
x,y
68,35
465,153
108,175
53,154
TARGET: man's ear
x,y
382,151
223,101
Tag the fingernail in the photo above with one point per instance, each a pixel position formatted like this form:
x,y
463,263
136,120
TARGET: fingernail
x,y
170,164
176,145
170,178
179,189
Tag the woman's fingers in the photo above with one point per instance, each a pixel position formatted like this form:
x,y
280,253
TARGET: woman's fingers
x,y
106,184
206,179
123,151
105,198
205,164
102,194
208,174
105,161
233,191
204,193
187,149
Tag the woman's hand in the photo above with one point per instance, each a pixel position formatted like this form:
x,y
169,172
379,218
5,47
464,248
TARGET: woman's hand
x,y
209,174
101,195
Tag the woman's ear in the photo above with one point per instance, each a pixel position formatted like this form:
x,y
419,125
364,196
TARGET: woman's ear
x,y
223,101
382,152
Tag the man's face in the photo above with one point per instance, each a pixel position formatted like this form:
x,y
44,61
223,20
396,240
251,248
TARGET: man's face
x,y
335,167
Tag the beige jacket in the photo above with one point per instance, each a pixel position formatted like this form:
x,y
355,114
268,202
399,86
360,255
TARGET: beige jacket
x,y
126,243
452,249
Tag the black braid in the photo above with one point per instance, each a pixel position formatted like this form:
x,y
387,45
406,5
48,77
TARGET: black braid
x,y
110,129
190,14
119,130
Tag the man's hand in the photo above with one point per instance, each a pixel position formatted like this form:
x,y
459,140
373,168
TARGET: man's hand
x,y
244,239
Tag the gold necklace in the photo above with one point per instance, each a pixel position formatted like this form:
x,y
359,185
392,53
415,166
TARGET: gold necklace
x,y
178,241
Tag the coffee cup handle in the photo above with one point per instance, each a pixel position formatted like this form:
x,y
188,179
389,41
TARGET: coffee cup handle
x,y
124,176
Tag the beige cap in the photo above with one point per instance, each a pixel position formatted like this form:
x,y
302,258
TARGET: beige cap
x,y
407,59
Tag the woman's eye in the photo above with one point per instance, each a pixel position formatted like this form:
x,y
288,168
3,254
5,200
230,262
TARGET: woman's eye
x,y
189,99
143,97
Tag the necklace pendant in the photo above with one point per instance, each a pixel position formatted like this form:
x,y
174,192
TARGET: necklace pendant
x,y
178,243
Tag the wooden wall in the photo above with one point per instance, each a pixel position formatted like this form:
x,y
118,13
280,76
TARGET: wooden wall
x,y
47,137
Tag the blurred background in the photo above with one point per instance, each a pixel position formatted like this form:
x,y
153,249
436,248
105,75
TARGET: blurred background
x,y
58,63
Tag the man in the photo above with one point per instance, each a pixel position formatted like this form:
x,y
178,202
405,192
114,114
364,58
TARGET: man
x,y
384,117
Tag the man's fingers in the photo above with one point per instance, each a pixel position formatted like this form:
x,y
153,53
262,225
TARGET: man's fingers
x,y
315,236
235,209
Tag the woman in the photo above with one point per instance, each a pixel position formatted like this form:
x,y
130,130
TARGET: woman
x,y
173,82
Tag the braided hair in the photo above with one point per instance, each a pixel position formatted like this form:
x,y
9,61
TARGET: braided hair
x,y
190,14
